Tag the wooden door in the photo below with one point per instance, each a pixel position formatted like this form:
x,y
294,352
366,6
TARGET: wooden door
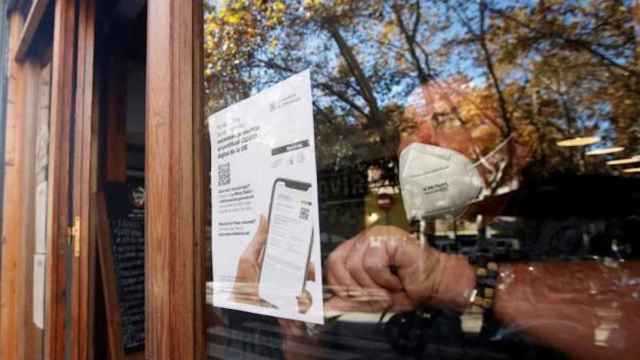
x,y
83,185
37,187
174,219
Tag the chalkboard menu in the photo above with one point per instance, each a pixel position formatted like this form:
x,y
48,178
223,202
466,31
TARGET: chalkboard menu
x,y
125,208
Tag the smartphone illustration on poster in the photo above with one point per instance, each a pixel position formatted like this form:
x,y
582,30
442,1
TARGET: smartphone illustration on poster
x,y
288,247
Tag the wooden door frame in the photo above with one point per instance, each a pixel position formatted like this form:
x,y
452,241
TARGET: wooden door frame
x,y
12,295
175,197
15,340
58,234
84,185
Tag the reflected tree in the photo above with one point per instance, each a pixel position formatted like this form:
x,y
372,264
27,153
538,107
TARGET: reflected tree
x,y
513,75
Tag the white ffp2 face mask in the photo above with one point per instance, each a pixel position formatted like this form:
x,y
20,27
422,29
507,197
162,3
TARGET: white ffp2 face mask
x,y
437,181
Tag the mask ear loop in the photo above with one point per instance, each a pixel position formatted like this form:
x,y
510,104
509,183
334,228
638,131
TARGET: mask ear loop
x,y
483,158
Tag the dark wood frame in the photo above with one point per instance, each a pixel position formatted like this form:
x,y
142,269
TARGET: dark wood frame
x,y
85,185
34,71
16,341
176,193
61,111
175,197
12,311
201,182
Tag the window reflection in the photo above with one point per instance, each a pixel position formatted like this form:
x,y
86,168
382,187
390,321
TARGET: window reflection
x,y
540,96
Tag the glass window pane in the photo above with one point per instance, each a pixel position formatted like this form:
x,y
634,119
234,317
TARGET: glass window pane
x,y
451,137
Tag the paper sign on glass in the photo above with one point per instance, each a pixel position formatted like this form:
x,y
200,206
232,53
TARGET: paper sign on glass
x,y
265,204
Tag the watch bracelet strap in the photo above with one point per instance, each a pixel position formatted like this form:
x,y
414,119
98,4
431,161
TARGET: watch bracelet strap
x,y
483,295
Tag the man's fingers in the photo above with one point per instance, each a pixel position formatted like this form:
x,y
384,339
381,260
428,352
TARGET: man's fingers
x,y
355,266
337,274
340,304
401,302
341,281
376,263
368,304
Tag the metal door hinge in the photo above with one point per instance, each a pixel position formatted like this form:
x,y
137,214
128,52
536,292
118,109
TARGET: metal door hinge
x,y
74,236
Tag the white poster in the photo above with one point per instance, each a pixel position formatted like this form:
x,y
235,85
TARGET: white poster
x,y
38,289
265,229
41,217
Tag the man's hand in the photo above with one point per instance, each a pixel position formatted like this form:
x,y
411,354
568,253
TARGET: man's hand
x,y
384,267
359,271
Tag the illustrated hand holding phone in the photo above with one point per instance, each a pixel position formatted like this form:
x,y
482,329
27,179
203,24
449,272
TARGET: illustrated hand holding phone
x,y
245,289
275,266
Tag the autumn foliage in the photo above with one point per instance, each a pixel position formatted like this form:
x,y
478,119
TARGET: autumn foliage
x,y
507,79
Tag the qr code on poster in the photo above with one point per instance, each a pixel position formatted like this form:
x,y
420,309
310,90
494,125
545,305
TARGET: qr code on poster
x,y
304,213
224,174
